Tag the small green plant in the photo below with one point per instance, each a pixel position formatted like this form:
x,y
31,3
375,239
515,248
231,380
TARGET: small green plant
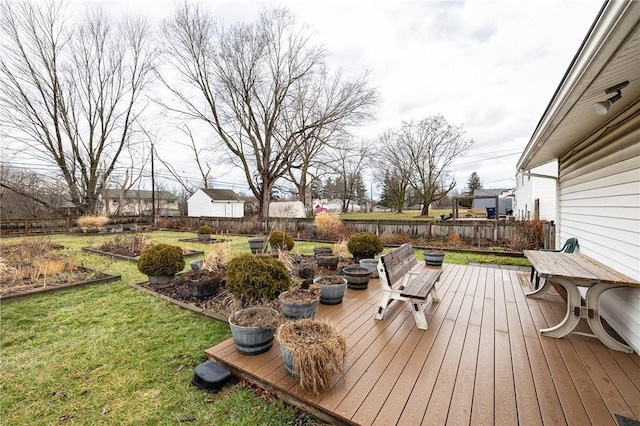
x,y
364,245
256,278
280,240
161,259
205,229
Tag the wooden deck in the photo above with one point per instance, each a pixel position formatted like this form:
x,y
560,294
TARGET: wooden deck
x,y
482,361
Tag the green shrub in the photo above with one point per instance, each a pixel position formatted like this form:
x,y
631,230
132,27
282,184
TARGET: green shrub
x,y
161,259
364,245
280,240
254,278
204,229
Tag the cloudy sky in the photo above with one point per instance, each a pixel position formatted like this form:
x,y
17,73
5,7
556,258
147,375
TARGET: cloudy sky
x,y
490,66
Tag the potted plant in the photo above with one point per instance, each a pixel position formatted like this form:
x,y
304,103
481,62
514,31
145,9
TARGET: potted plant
x,y
255,280
322,251
258,245
371,265
357,277
280,240
332,288
204,233
161,262
208,275
313,352
300,301
433,257
327,261
364,245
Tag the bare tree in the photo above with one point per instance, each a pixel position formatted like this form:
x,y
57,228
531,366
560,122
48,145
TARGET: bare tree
x,y
347,164
255,82
204,167
71,89
28,194
393,173
427,148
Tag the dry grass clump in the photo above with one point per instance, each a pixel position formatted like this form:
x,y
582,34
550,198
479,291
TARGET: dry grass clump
x,y
328,226
31,260
529,235
219,257
390,238
454,239
92,221
318,349
128,245
341,249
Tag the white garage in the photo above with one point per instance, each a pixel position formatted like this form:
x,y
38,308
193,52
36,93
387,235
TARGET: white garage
x,y
215,203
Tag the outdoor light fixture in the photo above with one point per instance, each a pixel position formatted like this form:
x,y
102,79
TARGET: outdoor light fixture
x,y
602,108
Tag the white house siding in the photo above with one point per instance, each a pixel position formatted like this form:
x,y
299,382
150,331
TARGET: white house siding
x,y
200,204
544,189
600,205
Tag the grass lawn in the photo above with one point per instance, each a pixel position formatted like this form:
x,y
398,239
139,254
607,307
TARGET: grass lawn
x,y
110,354
405,215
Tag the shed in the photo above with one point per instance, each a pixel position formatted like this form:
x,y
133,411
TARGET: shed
x,y
287,209
592,128
215,203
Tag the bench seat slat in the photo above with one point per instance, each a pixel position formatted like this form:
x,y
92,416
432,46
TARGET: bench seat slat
x,y
420,286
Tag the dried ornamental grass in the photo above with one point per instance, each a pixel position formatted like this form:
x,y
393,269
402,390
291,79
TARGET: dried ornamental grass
x,y
327,225
92,221
341,250
318,349
219,256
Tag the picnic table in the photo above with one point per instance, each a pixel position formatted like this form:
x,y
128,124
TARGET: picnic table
x,y
573,270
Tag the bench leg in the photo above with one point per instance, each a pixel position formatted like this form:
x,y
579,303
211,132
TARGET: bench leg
x,y
434,295
594,321
570,321
418,314
385,299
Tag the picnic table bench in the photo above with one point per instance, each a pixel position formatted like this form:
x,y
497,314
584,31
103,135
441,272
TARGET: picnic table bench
x,y
573,270
403,278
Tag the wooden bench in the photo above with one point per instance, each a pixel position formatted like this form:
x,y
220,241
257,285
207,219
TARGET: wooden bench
x,y
402,277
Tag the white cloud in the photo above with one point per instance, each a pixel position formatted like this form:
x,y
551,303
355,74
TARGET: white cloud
x,y
491,66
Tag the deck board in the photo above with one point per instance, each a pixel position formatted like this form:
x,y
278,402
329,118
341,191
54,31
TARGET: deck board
x,y
482,361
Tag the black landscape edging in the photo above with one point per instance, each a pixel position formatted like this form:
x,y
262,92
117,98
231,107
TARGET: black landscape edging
x,y
209,314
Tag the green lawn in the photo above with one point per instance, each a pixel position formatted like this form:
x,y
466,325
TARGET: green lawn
x,y
110,354
405,215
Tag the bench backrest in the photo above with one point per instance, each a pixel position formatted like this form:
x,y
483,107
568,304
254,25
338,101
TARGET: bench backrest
x,y
397,263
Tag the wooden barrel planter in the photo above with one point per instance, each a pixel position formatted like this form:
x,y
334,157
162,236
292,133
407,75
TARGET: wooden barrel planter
x,y
302,304
253,340
357,277
370,264
327,261
332,288
160,279
322,251
433,258
258,245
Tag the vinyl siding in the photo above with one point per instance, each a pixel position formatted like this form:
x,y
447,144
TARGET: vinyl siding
x,y
599,203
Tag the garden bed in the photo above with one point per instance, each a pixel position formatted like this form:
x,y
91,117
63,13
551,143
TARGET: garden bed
x,y
80,277
211,240
187,253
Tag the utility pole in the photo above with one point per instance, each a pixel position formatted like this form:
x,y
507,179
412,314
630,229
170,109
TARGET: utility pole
x,y
153,188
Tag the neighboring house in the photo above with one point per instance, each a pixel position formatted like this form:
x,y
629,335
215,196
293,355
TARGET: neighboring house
x,y
599,155
215,203
284,209
505,199
139,202
536,189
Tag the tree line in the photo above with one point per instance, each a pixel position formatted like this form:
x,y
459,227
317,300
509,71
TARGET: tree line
x,y
75,93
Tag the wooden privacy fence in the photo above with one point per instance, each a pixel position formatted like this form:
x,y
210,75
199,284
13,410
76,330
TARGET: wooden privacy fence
x,y
471,230
63,224
468,229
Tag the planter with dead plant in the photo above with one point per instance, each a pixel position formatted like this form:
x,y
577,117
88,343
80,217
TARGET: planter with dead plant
x,y
313,352
300,301
255,282
213,269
